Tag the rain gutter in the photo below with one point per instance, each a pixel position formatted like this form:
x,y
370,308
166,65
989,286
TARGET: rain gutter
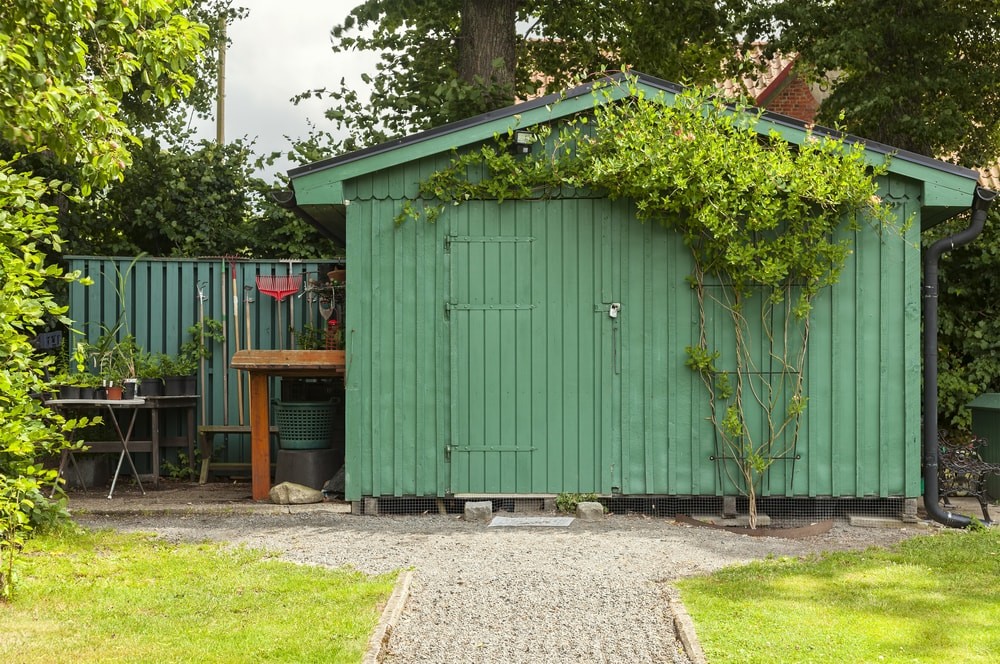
x,y
285,198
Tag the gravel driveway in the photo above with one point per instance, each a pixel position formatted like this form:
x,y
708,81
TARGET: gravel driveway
x,y
590,592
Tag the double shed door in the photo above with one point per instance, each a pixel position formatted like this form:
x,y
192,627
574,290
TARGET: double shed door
x,y
552,349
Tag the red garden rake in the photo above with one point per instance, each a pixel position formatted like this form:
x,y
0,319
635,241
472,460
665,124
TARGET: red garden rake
x,y
279,287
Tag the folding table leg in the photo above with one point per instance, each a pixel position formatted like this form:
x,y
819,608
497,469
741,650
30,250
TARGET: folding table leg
x,y
64,457
125,453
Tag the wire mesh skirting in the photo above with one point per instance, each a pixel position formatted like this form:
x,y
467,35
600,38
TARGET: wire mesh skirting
x,y
782,511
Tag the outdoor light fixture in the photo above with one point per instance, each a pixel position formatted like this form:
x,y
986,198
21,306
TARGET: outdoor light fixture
x,y
522,142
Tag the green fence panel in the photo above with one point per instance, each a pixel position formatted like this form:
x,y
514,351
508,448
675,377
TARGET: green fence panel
x,y
159,299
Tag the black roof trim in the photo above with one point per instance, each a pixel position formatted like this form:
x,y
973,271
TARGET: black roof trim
x,y
587,88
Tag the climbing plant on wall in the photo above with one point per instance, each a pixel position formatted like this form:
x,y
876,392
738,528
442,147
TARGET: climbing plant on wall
x,y
769,224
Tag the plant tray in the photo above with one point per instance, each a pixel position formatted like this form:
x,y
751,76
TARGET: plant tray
x,y
305,425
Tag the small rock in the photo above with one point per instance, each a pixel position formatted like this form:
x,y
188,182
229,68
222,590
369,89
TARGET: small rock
x,y
591,511
289,493
479,511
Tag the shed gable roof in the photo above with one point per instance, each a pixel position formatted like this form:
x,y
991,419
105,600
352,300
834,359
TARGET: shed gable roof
x,y
318,189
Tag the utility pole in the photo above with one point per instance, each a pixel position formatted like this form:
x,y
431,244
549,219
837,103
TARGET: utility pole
x,y
220,94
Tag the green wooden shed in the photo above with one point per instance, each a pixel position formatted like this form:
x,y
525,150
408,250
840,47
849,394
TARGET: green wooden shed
x,y
482,359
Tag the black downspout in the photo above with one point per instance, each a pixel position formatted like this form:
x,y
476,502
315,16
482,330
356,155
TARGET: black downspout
x,y
980,206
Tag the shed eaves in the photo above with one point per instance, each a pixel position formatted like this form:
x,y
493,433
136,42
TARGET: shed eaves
x,y
317,189
656,84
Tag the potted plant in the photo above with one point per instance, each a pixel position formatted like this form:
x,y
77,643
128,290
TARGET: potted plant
x,y
124,360
115,361
149,370
65,386
192,352
113,391
179,373
111,378
72,380
89,383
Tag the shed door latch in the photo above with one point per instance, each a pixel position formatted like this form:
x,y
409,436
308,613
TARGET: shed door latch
x,y
615,308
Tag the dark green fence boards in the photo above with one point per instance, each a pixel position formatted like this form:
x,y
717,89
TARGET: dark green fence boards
x,y
163,298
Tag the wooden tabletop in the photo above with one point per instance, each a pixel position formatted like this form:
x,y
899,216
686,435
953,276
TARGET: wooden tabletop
x,y
290,362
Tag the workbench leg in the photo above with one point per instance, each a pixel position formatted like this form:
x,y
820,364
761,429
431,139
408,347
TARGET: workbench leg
x,y
154,448
260,437
190,433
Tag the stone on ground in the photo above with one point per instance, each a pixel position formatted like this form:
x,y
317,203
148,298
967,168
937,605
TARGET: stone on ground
x,y
289,493
479,511
590,511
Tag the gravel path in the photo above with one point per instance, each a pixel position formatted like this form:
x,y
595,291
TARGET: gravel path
x,y
592,592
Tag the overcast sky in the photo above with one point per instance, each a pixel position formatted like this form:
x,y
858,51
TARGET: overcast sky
x,y
281,49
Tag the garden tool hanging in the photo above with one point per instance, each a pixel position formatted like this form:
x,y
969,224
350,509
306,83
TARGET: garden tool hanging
x,y
201,340
279,287
247,340
236,339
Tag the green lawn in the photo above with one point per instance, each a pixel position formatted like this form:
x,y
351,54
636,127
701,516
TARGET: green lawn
x,y
111,597
930,599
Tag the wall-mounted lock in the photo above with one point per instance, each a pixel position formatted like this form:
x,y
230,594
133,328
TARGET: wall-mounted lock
x,y
615,308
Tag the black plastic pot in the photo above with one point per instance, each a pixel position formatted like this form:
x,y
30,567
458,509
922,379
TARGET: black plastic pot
x,y
150,387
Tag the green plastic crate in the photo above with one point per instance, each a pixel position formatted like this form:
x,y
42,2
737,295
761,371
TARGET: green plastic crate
x,y
304,425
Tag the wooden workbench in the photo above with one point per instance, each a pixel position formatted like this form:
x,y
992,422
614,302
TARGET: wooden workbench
x,y
261,365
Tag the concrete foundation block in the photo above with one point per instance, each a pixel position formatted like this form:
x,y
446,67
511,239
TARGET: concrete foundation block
x,y
738,521
864,521
590,511
479,511
729,507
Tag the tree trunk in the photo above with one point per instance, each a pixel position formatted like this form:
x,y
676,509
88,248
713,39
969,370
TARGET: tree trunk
x,y
486,53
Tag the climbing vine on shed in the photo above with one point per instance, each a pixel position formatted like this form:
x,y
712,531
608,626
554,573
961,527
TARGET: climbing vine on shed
x,y
769,224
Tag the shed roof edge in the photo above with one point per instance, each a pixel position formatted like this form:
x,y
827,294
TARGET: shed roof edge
x,y
587,88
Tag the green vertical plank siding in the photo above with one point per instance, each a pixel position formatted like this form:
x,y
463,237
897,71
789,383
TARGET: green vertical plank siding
x,y
384,392
358,413
538,213
522,343
399,352
912,357
610,453
536,391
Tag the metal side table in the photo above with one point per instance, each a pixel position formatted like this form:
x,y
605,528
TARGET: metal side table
x,y
113,406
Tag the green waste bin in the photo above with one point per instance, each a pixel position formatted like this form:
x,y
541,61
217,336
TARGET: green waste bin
x,y
986,424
